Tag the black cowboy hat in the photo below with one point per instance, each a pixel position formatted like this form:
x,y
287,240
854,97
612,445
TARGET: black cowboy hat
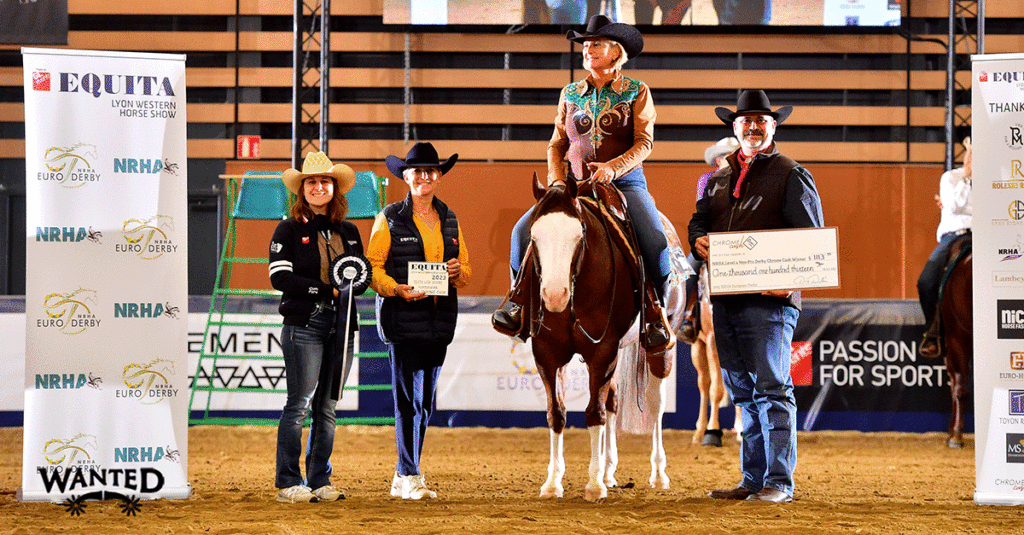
x,y
601,26
420,155
753,101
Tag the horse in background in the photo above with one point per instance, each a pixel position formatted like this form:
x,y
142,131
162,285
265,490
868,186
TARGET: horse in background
x,y
956,311
582,301
704,355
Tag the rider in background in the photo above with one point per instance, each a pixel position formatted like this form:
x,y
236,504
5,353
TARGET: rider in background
x,y
715,156
605,129
954,199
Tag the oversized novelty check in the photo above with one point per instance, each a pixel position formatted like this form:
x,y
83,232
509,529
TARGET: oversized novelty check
x,y
795,259
429,277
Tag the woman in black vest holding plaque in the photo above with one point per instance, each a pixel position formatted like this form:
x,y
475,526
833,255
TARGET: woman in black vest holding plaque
x,y
301,251
415,242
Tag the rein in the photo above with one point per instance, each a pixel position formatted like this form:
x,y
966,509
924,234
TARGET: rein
x,y
572,293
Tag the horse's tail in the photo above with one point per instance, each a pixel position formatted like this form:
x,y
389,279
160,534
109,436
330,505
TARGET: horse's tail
x,y
636,413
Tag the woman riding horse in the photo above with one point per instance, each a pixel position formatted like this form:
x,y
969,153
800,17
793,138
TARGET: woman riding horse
x,y
605,127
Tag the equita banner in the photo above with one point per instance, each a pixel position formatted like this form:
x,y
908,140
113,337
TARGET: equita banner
x,y
106,289
997,117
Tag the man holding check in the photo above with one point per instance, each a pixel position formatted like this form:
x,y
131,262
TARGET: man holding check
x,y
759,190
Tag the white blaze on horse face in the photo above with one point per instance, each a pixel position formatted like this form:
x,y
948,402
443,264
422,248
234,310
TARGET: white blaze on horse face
x,y
555,237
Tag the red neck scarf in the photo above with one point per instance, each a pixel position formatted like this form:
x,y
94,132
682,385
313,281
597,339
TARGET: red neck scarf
x,y
744,167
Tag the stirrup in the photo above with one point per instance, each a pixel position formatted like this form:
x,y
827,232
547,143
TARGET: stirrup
x,y
931,346
508,320
658,336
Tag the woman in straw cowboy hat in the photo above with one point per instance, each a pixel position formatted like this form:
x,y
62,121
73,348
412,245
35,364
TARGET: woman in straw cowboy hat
x,y
416,327
301,250
605,129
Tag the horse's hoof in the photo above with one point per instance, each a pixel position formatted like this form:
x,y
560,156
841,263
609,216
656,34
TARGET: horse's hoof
x,y
955,444
554,491
660,483
610,482
596,492
712,437
688,332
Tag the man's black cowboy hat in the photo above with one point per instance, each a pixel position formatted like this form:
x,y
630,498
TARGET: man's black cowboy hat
x,y
420,155
753,101
601,26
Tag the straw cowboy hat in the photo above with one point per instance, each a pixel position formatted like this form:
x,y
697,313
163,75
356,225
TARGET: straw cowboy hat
x,y
753,101
726,145
601,26
317,164
420,155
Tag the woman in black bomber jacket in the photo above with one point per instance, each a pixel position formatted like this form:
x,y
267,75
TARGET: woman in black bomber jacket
x,y
300,252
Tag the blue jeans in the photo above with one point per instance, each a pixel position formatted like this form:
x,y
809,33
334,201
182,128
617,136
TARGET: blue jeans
x,y
754,338
310,362
650,233
931,277
414,371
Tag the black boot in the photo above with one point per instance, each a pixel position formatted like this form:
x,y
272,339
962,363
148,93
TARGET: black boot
x,y
508,319
931,344
658,335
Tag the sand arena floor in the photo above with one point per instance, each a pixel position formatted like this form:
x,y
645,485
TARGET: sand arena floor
x,y
488,481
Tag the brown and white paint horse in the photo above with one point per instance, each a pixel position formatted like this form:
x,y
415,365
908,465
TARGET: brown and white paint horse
x,y
583,304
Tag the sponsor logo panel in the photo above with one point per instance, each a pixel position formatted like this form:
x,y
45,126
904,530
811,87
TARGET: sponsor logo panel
x,y
1015,448
148,383
1014,136
1010,319
148,238
70,467
71,166
55,234
70,313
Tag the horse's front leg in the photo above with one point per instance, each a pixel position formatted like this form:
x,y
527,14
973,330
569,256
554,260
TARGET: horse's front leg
x,y
596,488
956,417
596,418
656,401
611,448
552,487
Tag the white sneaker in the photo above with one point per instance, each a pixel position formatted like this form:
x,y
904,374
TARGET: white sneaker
x,y
296,494
397,483
328,493
417,488
410,487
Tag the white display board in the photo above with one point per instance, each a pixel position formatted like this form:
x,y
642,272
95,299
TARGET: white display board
x,y
998,193
106,298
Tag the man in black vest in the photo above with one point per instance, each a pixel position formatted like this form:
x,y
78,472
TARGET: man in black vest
x,y
759,190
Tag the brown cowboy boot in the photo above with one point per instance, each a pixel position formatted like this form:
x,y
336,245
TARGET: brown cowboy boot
x,y
931,344
508,319
657,333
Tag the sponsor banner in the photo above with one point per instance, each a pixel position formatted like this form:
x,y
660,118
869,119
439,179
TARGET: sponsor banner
x,y
863,357
998,137
241,363
486,371
105,381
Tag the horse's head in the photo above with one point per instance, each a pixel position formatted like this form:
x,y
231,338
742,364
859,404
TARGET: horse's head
x,y
556,231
